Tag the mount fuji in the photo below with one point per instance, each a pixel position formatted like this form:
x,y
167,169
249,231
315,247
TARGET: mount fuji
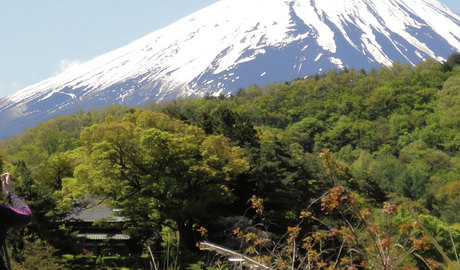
x,y
235,43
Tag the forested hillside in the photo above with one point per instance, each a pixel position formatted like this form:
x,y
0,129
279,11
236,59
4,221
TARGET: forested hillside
x,y
191,165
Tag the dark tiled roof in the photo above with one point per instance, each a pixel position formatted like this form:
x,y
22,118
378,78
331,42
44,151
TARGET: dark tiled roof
x,y
97,213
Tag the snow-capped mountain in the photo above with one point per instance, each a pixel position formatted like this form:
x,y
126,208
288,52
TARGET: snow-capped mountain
x,y
235,43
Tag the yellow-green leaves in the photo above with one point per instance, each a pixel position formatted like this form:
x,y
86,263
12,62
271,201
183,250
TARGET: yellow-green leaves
x,y
149,163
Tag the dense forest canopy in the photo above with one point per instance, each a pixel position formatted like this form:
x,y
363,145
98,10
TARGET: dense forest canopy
x,y
187,163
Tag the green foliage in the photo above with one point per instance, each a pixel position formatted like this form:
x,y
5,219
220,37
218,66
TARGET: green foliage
x,y
2,160
47,221
348,234
187,163
452,61
88,262
279,170
157,170
448,201
203,266
36,255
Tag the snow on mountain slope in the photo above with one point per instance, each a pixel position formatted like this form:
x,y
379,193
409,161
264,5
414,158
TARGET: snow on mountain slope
x,y
235,43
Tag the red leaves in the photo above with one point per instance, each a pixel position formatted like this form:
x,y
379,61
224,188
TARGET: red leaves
x,y
203,232
333,232
405,227
331,200
334,199
383,244
420,244
433,263
390,209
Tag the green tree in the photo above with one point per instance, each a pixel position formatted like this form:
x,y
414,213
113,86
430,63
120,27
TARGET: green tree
x,y
159,171
232,125
449,202
452,61
282,174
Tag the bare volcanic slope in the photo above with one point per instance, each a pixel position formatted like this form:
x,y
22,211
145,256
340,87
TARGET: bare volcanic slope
x,y
236,43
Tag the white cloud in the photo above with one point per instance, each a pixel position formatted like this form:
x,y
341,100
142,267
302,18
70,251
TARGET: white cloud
x,y
67,64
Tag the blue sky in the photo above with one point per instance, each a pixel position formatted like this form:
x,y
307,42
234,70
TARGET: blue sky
x,y
40,38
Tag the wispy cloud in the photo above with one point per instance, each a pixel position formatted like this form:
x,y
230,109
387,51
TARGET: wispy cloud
x,y
9,88
67,64
16,85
